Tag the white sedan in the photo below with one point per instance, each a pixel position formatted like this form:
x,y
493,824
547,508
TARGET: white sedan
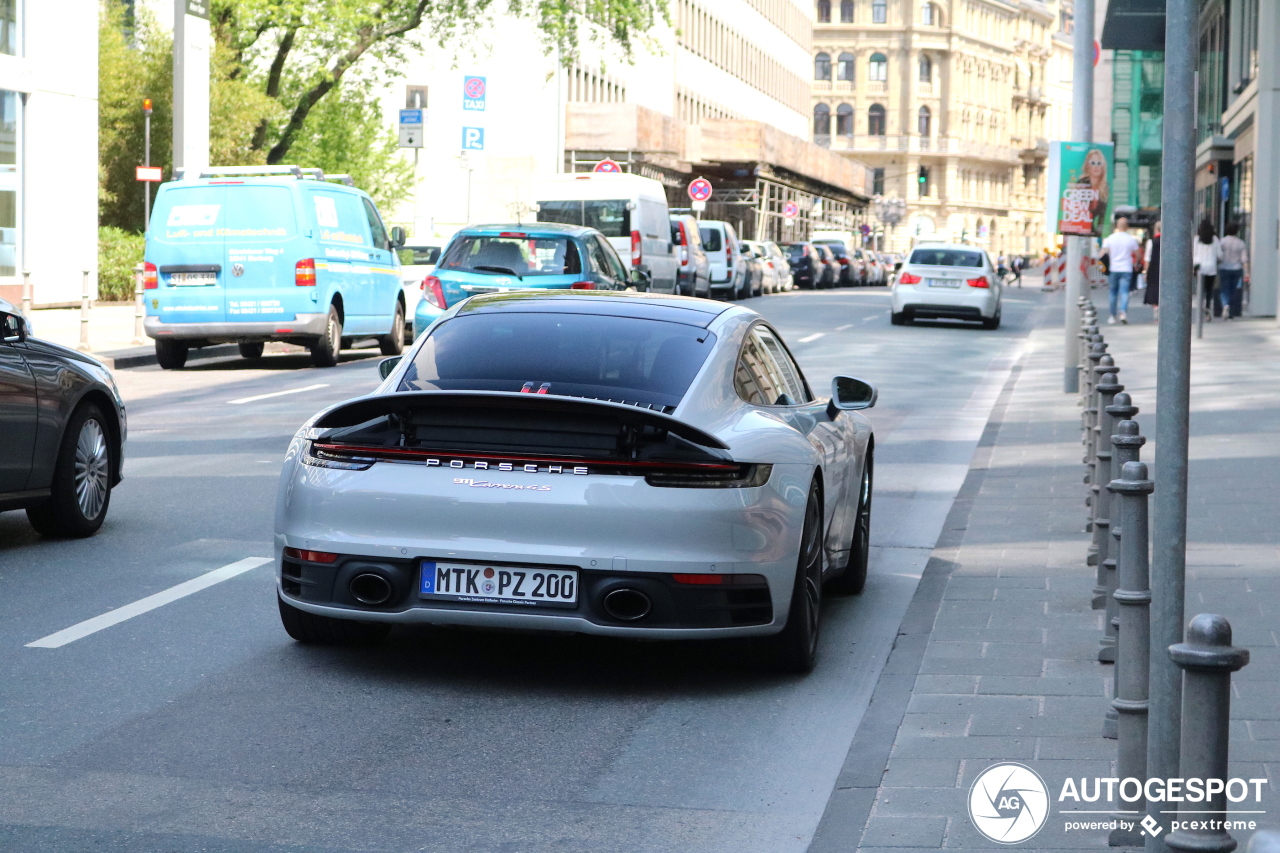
x,y
636,465
948,281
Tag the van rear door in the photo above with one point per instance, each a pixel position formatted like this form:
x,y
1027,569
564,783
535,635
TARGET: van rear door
x,y
186,246
347,245
262,246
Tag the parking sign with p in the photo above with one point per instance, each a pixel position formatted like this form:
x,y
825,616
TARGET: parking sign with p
x,y
473,139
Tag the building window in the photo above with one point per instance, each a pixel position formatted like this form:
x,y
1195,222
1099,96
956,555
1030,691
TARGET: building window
x,y
1066,19
926,15
880,68
9,136
844,68
846,11
824,11
924,121
879,11
875,120
9,27
923,180
926,69
822,66
877,181
844,120
821,120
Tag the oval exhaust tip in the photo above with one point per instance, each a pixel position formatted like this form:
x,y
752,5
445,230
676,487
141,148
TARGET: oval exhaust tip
x,y
370,588
626,604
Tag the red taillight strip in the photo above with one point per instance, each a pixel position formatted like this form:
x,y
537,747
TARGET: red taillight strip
x,y
407,453
310,556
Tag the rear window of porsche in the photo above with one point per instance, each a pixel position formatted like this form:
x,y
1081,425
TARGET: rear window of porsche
x,y
624,359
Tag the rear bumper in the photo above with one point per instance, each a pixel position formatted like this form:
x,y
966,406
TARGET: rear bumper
x,y
302,325
393,516
964,303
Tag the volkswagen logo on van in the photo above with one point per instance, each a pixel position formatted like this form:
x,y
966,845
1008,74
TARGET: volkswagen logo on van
x,y
237,270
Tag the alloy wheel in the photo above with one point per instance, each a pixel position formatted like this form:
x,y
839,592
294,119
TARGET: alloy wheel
x,y
91,469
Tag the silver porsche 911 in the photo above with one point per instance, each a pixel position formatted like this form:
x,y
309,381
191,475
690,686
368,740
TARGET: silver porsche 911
x,y
607,463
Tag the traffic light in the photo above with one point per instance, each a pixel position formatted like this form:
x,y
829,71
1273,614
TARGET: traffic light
x,y
146,106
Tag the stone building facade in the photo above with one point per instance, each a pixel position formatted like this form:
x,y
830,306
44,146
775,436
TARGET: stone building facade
x,y
951,103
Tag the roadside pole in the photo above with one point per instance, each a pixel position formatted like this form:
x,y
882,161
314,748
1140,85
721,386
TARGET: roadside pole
x,y
146,161
1173,398
1081,131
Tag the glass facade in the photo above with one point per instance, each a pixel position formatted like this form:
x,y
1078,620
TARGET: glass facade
x,y
1137,125
9,150
9,27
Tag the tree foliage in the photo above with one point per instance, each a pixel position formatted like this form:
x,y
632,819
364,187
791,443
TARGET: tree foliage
x,y
293,81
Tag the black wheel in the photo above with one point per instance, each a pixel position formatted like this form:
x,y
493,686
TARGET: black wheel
x,y
854,577
324,352
253,350
325,630
993,323
171,354
81,487
393,344
795,649
898,318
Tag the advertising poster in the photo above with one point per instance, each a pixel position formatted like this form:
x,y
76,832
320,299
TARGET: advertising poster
x,y
1079,191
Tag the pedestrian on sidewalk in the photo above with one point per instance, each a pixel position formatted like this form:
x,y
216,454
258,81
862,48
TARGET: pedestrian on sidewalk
x,y
1120,250
1151,296
1233,267
1208,251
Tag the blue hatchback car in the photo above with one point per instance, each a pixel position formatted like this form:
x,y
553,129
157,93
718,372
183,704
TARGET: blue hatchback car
x,y
253,254
532,256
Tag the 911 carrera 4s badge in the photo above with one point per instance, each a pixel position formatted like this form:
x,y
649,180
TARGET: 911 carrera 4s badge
x,y
485,484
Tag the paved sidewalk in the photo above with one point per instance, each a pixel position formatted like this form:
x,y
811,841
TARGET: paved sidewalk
x,y
996,659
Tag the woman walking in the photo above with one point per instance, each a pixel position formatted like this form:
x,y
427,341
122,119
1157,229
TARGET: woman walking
x,y
1233,267
1151,296
1208,251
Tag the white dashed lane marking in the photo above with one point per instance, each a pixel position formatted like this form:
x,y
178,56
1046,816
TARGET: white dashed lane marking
x,y
276,394
144,605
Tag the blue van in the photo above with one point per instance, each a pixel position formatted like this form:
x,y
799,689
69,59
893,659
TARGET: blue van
x,y
252,254
528,256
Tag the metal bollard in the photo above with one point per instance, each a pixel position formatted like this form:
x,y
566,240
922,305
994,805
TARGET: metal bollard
x,y
1134,597
1089,417
26,294
1100,473
1120,409
84,314
1207,659
139,312
1125,446
1097,349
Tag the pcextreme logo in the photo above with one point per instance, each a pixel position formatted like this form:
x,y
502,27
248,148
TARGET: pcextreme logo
x,y
1008,802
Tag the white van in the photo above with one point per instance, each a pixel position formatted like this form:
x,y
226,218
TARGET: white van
x,y
728,267
629,210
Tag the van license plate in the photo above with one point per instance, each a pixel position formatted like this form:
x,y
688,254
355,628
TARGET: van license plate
x,y
189,279
498,584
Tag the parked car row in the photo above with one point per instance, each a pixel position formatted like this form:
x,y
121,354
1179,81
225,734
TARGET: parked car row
x,y
831,262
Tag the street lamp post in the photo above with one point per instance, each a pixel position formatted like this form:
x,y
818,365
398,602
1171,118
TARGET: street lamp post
x,y
889,211
146,161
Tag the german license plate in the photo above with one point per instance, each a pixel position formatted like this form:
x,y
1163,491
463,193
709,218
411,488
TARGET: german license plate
x,y
477,582
190,279
943,282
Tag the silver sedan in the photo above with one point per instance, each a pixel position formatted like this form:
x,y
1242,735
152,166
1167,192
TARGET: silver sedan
x,y
607,463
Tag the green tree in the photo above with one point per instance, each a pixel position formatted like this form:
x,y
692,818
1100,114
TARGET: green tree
x,y
309,48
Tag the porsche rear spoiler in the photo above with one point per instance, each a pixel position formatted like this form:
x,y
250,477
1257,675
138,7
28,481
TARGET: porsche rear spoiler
x,y
485,418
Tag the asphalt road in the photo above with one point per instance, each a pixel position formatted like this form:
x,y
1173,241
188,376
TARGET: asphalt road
x,y
198,725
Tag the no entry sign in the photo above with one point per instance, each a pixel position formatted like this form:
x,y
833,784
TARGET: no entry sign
x,y
699,189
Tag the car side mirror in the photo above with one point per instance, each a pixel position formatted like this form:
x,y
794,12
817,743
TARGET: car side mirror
x,y
848,393
13,328
388,364
397,236
640,279
897,265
